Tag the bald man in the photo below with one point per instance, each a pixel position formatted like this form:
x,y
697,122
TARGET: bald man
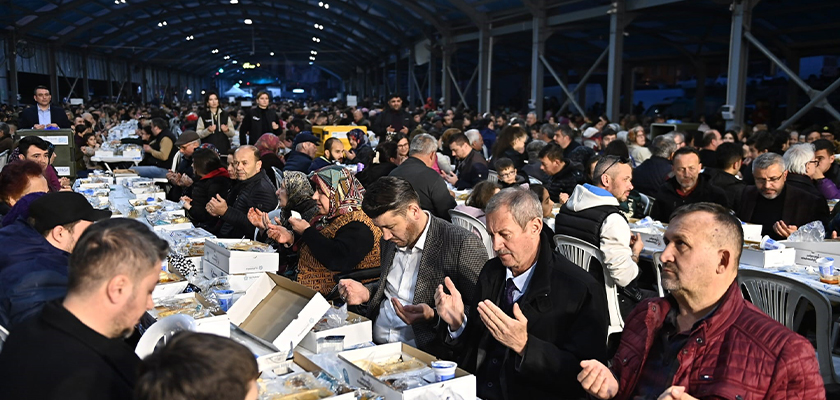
x,y
252,189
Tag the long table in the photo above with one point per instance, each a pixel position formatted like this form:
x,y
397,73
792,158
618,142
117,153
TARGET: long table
x,y
807,275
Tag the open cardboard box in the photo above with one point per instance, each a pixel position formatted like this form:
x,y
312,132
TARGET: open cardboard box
x,y
653,241
237,282
218,323
463,384
167,289
752,232
807,253
238,262
354,334
278,311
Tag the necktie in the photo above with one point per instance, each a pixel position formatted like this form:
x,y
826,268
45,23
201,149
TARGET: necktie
x,y
510,287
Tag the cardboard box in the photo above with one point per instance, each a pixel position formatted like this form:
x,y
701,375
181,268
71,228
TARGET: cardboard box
x,y
217,324
653,241
278,311
768,258
170,288
807,253
463,384
237,282
354,334
752,232
239,262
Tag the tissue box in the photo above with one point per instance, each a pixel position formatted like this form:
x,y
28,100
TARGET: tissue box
x,y
239,262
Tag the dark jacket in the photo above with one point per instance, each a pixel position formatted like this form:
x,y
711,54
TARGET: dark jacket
x,y
449,251
6,143
203,190
565,308
730,184
319,163
736,353
651,174
395,119
371,173
708,158
803,182
269,162
667,199
28,244
256,192
29,284
297,161
364,155
256,123
578,153
29,117
218,138
81,364
185,167
489,137
565,181
471,171
430,187
148,159
800,208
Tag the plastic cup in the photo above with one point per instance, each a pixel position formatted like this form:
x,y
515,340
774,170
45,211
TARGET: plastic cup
x,y
770,244
225,299
826,265
444,370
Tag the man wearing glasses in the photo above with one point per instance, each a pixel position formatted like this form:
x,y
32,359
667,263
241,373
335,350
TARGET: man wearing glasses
x,y
43,115
779,208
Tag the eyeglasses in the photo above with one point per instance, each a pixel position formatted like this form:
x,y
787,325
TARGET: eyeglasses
x,y
509,173
623,160
771,179
815,162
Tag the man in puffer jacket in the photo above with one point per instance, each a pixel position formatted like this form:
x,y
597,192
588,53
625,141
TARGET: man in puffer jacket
x,y
704,340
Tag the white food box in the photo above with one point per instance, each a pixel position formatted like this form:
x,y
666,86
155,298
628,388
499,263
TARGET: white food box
x,y
170,288
237,282
162,229
159,196
354,334
807,253
239,262
278,311
462,385
752,232
217,324
653,241
132,153
103,153
768,258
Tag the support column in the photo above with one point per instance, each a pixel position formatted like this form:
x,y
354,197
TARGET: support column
x,y
11,55
485,68
110,73
793,90
85,78
432,78
144,85
445,83
53,74
700,94
614,69
538,38
736,85
412,93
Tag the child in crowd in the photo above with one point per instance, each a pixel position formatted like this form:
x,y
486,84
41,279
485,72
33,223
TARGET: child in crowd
x,y
508,175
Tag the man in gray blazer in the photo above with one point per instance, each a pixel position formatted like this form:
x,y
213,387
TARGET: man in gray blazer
x,y
419,252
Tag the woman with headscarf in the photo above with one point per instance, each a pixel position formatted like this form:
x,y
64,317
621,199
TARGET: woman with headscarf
x,y
360,150
340,239
269,145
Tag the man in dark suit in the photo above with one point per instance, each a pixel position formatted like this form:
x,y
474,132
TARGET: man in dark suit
x,y
429,185
76,342
536,315
43,115
421,250
779,208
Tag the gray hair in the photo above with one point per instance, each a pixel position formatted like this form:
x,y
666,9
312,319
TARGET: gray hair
x,y
522,204
423,144
767,160
532,113
534,148
797,156
664,146
547,130
299,147
473,135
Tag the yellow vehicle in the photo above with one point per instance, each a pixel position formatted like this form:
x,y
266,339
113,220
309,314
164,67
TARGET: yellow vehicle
x,y
337,131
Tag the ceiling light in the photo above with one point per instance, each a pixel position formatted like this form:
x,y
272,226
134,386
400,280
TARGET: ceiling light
x,y
160,24
298,90
227,57
310,63
234,1
320,4
321,27
327,6
258,65
248,21
312,58
164,23
313,52
240,81
202,92
316,25
271,54
189,92
234,61
221,70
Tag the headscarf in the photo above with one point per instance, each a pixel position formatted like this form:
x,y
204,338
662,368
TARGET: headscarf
x,y
209,146
344,190
297,188
268,143
21,208
359,135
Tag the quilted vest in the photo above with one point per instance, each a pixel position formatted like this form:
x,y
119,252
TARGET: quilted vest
x,y
314,275
585,225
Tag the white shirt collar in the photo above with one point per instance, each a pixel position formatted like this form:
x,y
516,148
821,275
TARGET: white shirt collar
x,y
522,280
421,241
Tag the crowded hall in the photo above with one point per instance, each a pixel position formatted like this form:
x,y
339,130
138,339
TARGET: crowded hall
x,y
419,200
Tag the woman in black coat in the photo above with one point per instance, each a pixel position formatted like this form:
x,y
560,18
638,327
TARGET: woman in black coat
x,y
213,179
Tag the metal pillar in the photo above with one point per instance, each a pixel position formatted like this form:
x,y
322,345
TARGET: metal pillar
x,y
85,78
445,83
432,78
736,84
53,74
562,85
485,68
581,86
412,94
614,68
538,37
111,79
458,87
11,55
792,93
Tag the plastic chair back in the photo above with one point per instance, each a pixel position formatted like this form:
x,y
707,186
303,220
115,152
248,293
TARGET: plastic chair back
x,y
657,269
475,226
493,176
647,201
4,334
781,298
582,253
4,159
176,159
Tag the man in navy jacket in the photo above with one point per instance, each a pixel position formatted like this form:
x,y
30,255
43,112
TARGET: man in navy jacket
x,y
43,115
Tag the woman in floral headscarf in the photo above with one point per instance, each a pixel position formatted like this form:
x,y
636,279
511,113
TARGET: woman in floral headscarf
x,y
269,145
360,150
341,238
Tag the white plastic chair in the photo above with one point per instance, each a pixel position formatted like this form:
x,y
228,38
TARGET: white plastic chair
x,y
657,269
176,159
475,226
4,159
648,203
581,253
781,298
4,334
493,176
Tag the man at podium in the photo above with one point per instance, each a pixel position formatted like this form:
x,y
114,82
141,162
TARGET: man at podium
x,y
43,115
